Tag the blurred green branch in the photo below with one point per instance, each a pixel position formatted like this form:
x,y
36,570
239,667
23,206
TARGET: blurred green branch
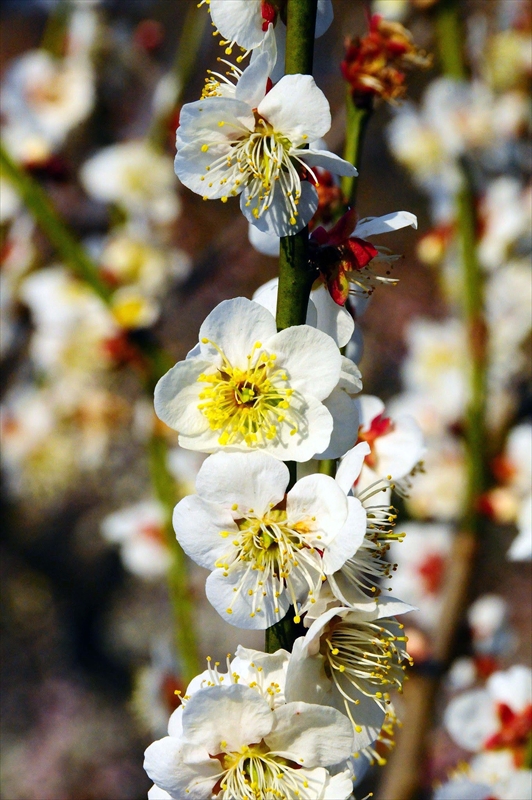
x,y
52,225
178,582
295,274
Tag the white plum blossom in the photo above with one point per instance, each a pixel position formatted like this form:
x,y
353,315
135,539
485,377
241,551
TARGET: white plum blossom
x,y
488,776
436,365
136,177
422,558
246,387
227,741
267,549
439,491
496,717
396,444
326,315
139,529
252,144
43,98
351,659
72,323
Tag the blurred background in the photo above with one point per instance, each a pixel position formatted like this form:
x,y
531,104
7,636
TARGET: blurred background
x,y
91,93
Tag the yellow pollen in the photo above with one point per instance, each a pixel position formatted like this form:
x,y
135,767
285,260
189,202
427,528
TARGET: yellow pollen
x,y
248,406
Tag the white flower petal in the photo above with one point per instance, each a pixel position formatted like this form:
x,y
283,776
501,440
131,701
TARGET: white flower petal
x,y
372,226
198,525
265,243
296,108
345,424
332,318
235,715
313,735
253,480
399,451
329,161
156,793
350,377
177,397
164,761
239,21
347,542
310,358
251,612
351,465
251,86
339,787
235,326
318,496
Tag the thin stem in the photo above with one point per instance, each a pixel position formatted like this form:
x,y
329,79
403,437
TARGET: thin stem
x,y
327,466
295,274
300,29
53,38
180,595
358,117
473,311
450,39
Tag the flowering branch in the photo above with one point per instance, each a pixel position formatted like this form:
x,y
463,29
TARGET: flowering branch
x,y
295,273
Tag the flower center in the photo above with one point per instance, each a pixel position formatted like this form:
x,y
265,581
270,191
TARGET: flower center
x,y
367,655
260,160
255,773
278,551
247,406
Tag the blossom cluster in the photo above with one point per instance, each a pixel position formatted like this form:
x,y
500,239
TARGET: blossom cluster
x,y
311,551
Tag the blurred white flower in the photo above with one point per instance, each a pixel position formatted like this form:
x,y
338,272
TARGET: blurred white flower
x,y
436,363
497,717
139,530
422,559
136,177
44,98
438,492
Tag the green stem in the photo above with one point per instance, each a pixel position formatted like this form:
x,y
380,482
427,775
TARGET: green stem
x,y
450,38
300,29
358,117
39,205
53,38
295,273
473,311
185,62
327,466
180,594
